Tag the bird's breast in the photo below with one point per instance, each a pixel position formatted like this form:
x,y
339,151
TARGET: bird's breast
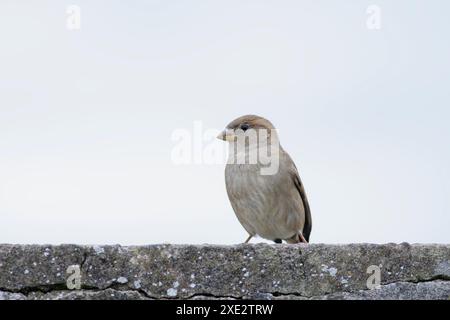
x,y
262,203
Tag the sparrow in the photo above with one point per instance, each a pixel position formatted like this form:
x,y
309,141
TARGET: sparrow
x,y
272,205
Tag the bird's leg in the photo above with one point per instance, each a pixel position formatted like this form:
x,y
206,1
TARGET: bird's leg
x,y
302,238
248,239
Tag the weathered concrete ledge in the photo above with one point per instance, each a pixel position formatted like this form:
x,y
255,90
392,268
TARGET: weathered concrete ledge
x,y
226,272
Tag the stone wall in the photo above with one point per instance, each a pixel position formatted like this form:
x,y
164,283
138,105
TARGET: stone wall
x,y
317,271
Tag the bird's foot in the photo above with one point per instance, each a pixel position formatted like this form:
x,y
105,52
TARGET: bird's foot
x,y
302,238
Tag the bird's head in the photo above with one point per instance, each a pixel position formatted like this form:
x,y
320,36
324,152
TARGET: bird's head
x,y
251,138
248,126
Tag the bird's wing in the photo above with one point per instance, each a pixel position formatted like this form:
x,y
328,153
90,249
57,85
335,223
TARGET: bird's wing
x,y
308,221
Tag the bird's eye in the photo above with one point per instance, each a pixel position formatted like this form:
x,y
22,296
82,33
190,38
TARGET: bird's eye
x,y
245,127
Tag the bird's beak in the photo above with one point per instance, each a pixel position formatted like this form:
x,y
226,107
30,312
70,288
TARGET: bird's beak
x,y
226,135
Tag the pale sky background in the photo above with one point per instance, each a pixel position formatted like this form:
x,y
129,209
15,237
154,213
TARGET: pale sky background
x,y
86,117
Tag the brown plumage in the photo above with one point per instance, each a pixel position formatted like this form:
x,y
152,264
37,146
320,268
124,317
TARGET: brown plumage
x,y
272,206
